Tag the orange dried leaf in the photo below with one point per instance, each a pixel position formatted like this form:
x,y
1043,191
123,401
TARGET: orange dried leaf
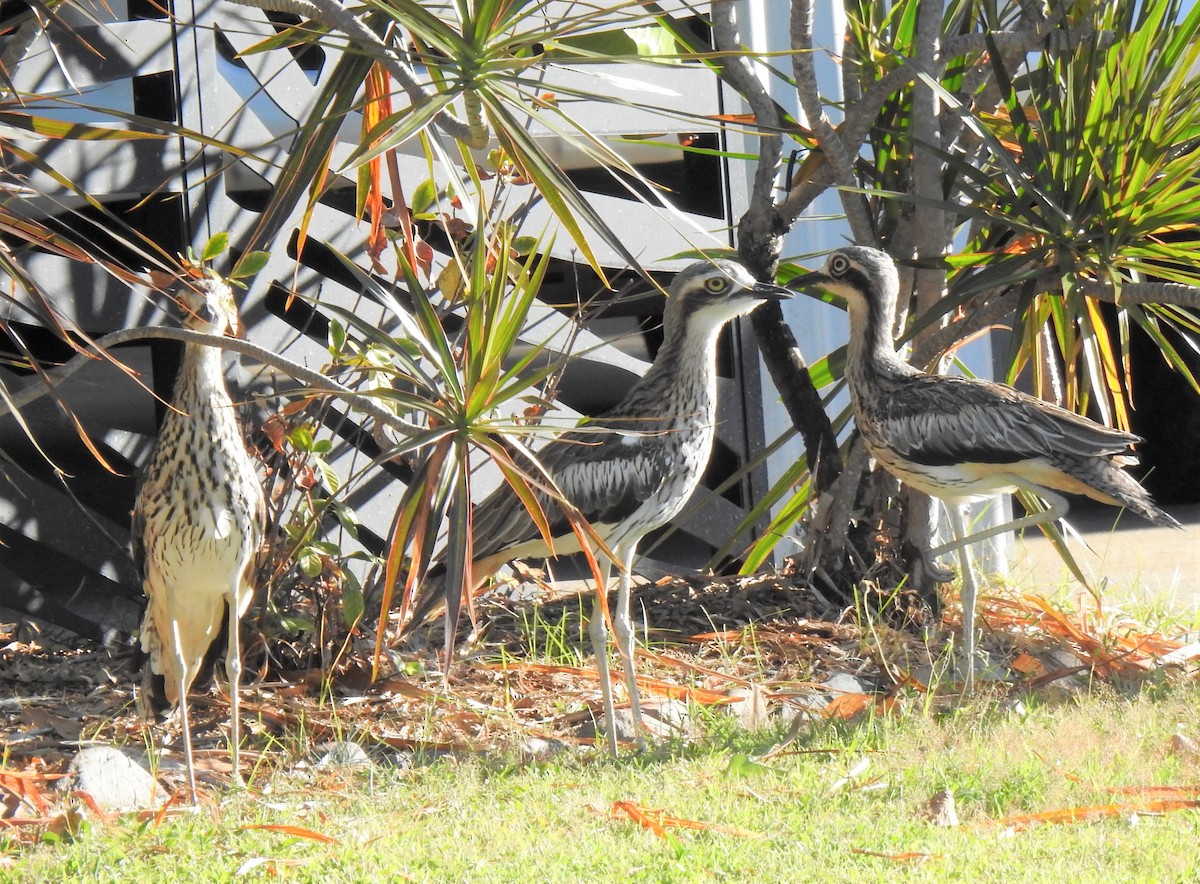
x,y
295,831
276,431
24,786
95,808
725,635
909,857
1094,812
635,813
658,821
848,705
1027,664
690,667
653,685
1164,791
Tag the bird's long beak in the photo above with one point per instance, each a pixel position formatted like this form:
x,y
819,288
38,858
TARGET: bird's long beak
x,y
814,280
817,281
768,291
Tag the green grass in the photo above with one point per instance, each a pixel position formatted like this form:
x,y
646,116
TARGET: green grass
x,y
483,819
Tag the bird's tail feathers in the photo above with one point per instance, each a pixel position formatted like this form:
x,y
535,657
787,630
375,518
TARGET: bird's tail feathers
x,y
1110,480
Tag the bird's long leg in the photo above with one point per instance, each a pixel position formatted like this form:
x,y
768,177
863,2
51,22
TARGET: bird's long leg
x,y
598,632
233,671
623,626
968,594
181,663
1057,507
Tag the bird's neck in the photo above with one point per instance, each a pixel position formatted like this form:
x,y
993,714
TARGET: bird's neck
x,y
201,376
683,378
872,349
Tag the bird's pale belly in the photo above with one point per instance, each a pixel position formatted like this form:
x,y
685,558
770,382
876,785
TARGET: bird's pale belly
x,y
961,482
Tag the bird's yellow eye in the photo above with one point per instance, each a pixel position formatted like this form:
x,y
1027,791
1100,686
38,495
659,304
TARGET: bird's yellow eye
x,y
839,264
716,284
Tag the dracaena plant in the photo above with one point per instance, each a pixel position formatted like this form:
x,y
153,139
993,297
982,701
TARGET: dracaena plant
x,y
451,369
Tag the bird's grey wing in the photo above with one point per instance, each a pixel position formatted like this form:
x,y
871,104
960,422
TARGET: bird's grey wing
x,y
937,421
605,475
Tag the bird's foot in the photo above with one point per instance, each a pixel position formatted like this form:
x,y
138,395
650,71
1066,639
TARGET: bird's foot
x,y
623,730
937,573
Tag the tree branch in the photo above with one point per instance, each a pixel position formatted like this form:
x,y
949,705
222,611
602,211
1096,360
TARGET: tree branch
x,y
861,114
759,230
834,149
760,234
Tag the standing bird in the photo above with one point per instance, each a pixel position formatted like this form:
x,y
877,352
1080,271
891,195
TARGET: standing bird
x,y
961,439
198,520
630,470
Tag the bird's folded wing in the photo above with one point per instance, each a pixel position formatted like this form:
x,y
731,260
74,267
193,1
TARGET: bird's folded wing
x,y
940,420
605,475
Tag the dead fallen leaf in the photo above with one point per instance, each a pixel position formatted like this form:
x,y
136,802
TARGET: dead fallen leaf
x,y
910,857
658,821
294,831
1092,813
1027,664
38,718
847,706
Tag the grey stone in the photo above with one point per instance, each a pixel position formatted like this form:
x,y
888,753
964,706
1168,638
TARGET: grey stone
x,y
752,709
674,715
842,683
341,753
655,726
535,749
114,780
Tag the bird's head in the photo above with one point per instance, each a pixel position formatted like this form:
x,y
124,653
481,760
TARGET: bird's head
x,y
207,305
714,292
861,276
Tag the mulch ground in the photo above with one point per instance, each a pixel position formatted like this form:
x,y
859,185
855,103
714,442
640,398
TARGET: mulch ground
x,y
526,672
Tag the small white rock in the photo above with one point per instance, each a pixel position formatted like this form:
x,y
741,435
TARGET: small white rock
x,y
842,683
115,781
341,753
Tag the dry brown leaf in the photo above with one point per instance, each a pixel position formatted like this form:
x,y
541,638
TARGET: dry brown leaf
x,y
909,857
1159,791
294,831
848,706
1092,812
652,685
37,717
658,821
1027,664
24,787
686,666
